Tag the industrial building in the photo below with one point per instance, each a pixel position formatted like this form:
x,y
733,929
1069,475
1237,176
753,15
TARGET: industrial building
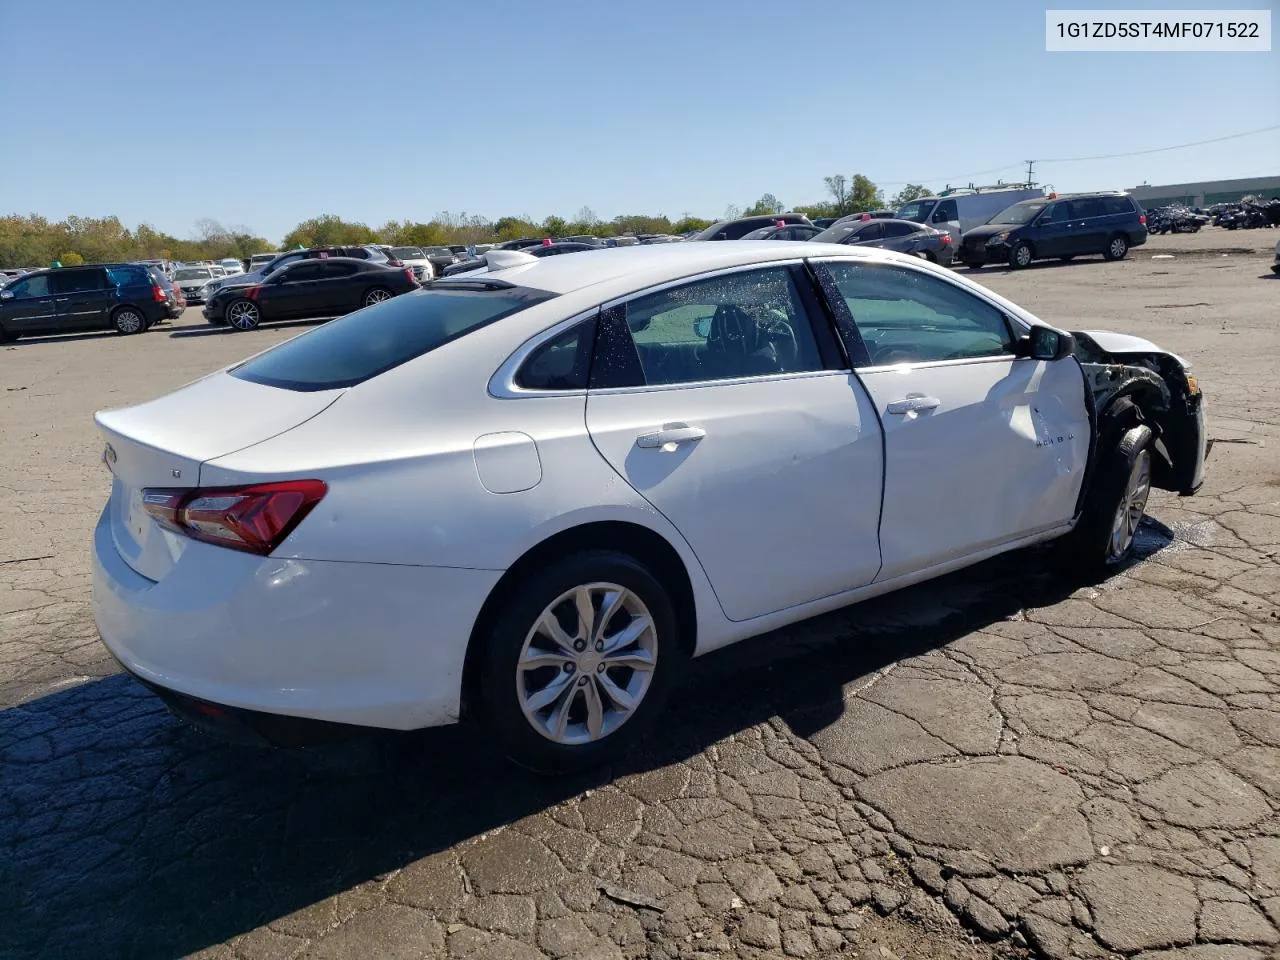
x,y
1205,193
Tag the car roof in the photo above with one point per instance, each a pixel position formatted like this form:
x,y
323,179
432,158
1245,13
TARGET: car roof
x,y
635,267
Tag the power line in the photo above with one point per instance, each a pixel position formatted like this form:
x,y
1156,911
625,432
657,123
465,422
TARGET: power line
x,y
1180,146
1107,156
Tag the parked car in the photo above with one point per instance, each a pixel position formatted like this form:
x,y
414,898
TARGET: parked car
x,y
320,287
900,235
193,281
795,231
961,211
541,250
231,265
440,258
824,222
260,260
1059,226
416,259
126,297
362,252
576,473
737,229
174,297
519,244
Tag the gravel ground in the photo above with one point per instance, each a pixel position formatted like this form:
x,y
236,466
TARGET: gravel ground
x,y
999,763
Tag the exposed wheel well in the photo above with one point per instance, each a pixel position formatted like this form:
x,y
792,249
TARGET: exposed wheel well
x,y
641,543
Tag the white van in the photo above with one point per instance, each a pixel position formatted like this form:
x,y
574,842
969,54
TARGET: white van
x,y
961,210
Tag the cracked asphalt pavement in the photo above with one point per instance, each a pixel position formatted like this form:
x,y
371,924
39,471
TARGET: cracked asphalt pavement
x,y
999,763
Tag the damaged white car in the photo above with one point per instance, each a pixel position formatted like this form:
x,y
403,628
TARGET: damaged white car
x,y
527,496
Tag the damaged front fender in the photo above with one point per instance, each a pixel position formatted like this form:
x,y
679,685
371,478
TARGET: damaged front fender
x,y
1168,398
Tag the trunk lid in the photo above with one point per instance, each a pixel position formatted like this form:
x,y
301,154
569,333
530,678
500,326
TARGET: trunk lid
x,y
162,443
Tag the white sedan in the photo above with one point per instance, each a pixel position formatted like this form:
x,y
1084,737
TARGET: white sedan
x,y
528,495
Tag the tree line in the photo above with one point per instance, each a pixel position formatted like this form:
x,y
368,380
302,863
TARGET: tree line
x,y
34,241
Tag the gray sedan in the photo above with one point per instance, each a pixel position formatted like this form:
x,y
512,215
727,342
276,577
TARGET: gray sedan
x,y
903,236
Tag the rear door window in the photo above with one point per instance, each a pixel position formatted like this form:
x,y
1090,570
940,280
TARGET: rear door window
x,y
871,232
354,348
77,281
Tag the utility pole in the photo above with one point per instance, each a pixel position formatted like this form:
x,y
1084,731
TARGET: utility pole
x,y
1031,164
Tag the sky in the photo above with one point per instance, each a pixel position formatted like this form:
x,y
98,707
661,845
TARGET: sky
x,y
266,113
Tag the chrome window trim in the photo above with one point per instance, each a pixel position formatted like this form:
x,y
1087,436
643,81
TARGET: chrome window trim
x,y
503,386
724,382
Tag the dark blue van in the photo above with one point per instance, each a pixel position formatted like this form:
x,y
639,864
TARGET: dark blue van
x,y
126,297
1059,226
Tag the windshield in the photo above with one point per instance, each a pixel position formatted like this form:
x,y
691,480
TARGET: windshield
x,y
363,344
1019,212
838,233
193,273
408,253
916,210
439,252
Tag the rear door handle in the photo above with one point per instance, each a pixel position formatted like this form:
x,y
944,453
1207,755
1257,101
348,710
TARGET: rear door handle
x,y
913,403
671,433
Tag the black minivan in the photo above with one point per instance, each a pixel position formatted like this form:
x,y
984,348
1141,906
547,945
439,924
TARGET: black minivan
x,y
121,296
1060,226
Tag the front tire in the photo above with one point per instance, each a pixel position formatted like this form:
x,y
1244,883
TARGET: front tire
x,y
1116,502
577,662
1021,255
128,321
1116,249
243,314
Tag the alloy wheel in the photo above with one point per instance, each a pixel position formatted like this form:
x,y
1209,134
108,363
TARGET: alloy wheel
x,y
1118,248
1133,506
128,321
243,315
376,296
1022,255
587,663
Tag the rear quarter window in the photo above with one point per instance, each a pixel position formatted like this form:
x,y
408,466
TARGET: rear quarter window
x,y
371,341
127,276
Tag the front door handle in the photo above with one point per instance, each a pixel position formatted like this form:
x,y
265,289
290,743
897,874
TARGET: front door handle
x,y
914,403
671,433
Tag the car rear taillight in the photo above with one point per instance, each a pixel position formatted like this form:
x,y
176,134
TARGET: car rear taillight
x,y
255,519
946,239
1142,219
408,272
157,293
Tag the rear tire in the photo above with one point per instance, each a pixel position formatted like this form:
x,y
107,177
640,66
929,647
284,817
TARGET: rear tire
x,y
1117,247
560,715
128,321
1117,499
377,295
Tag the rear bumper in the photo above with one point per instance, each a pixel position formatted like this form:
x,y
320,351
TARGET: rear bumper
x,y
371,645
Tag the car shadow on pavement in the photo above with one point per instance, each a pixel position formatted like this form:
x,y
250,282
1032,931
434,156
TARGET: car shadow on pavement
x,y
36,340
125,833
211,330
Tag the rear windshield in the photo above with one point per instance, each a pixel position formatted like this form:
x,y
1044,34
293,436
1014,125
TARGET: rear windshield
x,y
193,273
408,253
363,344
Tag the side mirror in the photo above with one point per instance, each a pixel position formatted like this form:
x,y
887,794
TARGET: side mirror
x,y
6,294
1045,343
702,327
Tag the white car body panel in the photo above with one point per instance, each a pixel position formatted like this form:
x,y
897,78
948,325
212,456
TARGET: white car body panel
x,y
778,500
1122,343
439,481
1010,437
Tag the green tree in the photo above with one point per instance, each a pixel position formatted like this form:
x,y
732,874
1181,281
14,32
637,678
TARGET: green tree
x,y
555,227
327,230
864,195
767,204
689,222
71,259
912,191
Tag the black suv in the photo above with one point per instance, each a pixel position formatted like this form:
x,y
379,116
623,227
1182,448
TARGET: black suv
x,y
1058,226
125,296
